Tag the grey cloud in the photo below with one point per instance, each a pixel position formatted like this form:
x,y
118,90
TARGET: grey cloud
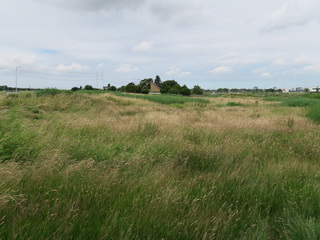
x,y
296,13
180,12
97,5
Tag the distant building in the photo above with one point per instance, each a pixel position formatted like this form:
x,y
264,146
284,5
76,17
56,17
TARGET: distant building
x,y
285,90
314,89
153,88
299,89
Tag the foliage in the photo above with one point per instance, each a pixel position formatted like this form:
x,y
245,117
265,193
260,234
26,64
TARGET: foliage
x,y
222,90
185,91
170,85
197,90
132,88
88,87
112,88
234,104
158,81
75,89
144,82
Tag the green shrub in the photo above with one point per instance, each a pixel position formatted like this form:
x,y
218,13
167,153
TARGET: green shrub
x,y
185,91
234,104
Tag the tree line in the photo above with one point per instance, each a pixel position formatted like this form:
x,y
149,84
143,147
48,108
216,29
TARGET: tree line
x,y
168,86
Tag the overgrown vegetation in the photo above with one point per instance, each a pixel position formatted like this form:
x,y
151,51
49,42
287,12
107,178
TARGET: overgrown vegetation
x,y
108,166
166,98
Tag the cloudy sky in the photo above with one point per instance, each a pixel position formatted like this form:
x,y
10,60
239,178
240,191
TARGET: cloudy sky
x,y
212,43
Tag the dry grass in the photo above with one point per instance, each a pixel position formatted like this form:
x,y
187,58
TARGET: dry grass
x,y
111,167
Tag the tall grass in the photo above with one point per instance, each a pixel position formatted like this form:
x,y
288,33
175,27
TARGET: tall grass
x,y
166,98
314,113
108,167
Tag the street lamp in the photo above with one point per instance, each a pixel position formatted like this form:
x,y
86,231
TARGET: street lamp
x,y
17,78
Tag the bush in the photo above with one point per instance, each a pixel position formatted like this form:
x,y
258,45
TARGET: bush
x,y
197,90
145,91
185,91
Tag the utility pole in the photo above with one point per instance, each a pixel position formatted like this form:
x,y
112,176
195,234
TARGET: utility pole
x,y
17,78
102,75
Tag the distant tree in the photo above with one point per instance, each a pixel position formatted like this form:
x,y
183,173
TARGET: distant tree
x,y
75,89
131,87
122,89
185,91
145,91
270,90
88,87
175,89
222,90
80,87
144,82
158,81
167,85
112,88
197,90
234,90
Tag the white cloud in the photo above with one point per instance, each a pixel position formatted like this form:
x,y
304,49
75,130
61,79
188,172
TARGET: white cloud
x,y
280,62
265,75
230,56
72,67
315,67
185,73
294,13
221,70
173,70
300,59
125,68
142,47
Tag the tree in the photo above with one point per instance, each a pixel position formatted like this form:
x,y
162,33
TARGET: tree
x,y
112,88
175,89
158,81
185,91
222,90
145,81
197,90
131,87
88,87
122,88
167,85
75,89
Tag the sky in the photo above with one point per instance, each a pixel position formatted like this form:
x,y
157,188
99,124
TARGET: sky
x,y
211,43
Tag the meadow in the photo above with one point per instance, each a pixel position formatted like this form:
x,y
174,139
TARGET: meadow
x,y
120,166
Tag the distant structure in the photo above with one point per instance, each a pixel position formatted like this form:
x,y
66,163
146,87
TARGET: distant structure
x,y
153,88
314,89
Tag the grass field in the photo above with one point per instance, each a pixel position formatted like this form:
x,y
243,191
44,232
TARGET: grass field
x,y
110,166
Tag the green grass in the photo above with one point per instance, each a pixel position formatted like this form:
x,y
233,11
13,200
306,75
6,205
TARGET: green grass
x,y
235,104
166,98
314,113
90,166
